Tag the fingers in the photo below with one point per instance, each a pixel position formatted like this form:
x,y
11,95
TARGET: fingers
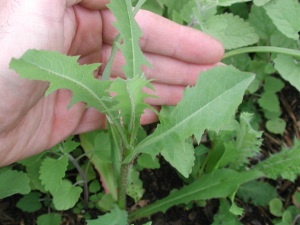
x,y
164,37
91,120
164,69
166,94
88,38
93,4
149,116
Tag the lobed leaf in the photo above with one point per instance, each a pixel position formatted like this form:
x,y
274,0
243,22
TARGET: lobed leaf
x,y
273,84
231,30
276,125
285,16
181,157
68,145
33,165
284,164
260,2
97,146
218,184
49,219
257,192
208,105
134,185
276,207
197,13
30,202
262,23
224,216
129,98
115,217
66,195
234,148
230,2
269,102
130,34
52,171
64,72
289,69
248,141
13,182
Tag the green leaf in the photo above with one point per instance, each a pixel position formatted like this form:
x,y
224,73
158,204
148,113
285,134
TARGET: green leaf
x,y
52,171
94,186
30,202
134,185
68,145
13,182
153,6
106,203
248,141
130,97
97,146
224,216
262,23
66,195
149,223
273,84
230,2
280,40
276,207
260,2
240,9
285,15
147,162
115,217
33,165
257,192
284,164
198,12
296,199
218,184
276,125
234,148
130,33
64,72
174,6
287,217
49,219
182,157
269,102
231,30
289,69
202,107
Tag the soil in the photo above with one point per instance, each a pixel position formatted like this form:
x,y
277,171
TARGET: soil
x,y
159,182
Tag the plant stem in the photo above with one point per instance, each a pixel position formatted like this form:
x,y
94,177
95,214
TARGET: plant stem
x,y
122,184
84,179
271,49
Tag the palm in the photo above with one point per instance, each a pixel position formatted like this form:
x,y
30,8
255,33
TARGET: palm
x,y
46,120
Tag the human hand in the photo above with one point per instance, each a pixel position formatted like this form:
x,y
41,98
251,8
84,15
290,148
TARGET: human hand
x,y
30,122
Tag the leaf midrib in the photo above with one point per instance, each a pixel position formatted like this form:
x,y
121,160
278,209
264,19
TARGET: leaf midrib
x,y
157,138
69,78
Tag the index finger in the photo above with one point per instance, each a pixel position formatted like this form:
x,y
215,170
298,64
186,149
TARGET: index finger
x,y
164,37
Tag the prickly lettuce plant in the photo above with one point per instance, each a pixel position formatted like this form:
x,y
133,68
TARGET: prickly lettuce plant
x,y
209,108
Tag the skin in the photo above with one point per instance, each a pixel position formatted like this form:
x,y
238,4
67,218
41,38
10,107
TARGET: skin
x,y
30,122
